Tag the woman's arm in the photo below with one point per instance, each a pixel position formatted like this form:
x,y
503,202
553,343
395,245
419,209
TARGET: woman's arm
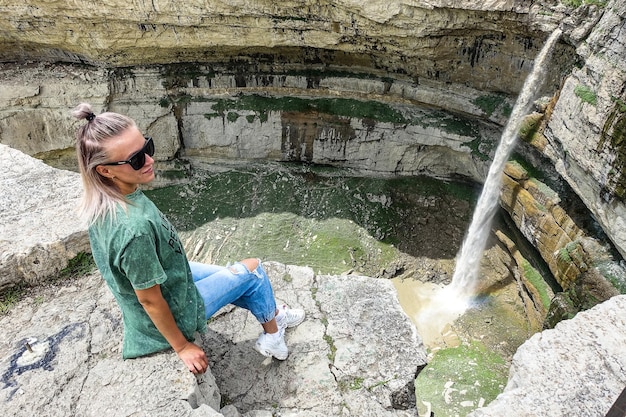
x,y
159,311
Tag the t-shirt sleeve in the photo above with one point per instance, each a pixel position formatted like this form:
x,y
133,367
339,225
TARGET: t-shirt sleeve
x,y
140,263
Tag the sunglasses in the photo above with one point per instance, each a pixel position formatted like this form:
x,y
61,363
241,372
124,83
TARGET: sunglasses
x,y
138,159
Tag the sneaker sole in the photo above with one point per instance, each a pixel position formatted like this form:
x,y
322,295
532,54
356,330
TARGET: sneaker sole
x,y
269,354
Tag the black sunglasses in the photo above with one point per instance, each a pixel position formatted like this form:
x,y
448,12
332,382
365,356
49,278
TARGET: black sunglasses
x,y
138,159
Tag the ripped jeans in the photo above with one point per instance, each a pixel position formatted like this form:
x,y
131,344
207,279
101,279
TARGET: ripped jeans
x,y
219,286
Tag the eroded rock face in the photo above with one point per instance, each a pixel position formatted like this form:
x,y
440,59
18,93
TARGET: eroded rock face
x,y
579,263
487,45
443,54
586,129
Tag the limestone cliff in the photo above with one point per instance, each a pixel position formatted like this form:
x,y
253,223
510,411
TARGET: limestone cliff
x,y
586,130
342,84
487,45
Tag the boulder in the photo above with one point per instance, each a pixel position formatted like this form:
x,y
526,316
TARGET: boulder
x,y
63,358
575,369
39,230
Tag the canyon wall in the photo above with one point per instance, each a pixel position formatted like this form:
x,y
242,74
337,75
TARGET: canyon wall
x,y
486,45
169,66
586,130
399,88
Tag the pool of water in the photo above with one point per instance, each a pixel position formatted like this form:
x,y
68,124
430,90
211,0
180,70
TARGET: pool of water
x,y
329,219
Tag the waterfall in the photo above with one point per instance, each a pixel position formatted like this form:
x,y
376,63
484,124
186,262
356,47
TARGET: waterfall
x,y
453,300
468,259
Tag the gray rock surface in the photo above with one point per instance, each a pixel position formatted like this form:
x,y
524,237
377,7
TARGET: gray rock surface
x,y
39,230
575,369
356,354
75,367
584,131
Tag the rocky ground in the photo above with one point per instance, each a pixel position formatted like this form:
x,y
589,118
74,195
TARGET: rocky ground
x,y
62,356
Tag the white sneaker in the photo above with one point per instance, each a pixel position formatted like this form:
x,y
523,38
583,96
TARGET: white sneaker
x,y
272,345
288,317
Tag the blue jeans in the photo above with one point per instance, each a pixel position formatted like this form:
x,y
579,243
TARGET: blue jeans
x,y
219,286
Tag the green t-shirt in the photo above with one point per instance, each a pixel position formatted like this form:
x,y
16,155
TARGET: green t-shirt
x,y
138,250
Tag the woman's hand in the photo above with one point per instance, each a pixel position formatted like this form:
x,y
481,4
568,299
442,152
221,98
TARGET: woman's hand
x,y
159,311
194,358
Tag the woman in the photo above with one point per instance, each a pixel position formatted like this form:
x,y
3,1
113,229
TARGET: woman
x,y
164,298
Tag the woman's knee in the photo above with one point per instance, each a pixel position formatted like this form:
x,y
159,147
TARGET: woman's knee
x,y
251,263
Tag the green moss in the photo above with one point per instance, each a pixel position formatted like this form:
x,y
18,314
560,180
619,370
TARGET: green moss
x,y
536,280
586,94
380,112
211,116
464,373
613,274
563,255
173,174
10,297
165,102
458,125
507,109
545,189
530,126
81,264
533,172
489,103
356,383
232,116
475,146
331,345
621,104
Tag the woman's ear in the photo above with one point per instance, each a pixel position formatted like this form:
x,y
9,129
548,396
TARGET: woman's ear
x,y
104,171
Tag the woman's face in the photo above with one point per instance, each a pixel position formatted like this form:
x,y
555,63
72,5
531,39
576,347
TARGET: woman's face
x,y
121,148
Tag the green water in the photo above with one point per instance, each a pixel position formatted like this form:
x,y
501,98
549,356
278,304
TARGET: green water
x,y
326,218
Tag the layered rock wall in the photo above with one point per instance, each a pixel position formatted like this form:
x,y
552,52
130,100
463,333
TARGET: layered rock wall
x,y
347,54
586,129
196,113
489,46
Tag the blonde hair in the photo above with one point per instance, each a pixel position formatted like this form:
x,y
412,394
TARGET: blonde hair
x,y
101,196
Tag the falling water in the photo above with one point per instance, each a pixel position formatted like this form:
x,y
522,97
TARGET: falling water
x,y
455,298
